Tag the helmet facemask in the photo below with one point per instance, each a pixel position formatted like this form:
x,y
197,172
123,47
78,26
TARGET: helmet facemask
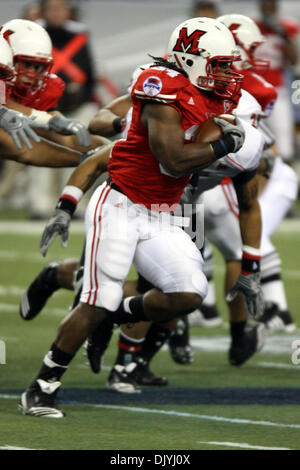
x,y
220,77
258,65
7,72
31,74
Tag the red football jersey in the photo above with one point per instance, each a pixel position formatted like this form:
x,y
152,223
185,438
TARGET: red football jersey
x,y
132,165
48,97
262,90
273,49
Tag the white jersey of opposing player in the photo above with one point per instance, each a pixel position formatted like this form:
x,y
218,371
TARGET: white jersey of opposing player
x,y
247,158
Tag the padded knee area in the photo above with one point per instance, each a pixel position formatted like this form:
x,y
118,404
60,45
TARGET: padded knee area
x,y
110,294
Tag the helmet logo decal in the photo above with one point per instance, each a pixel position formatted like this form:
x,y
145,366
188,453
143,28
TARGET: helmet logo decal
x,y
233,28
152,86
7,33
188,44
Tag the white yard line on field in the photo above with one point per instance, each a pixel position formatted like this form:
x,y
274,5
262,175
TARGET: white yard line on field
x,y
7,447
242,445
199,416
180,414
23,227
277,365
34,228
274,344
52,311
13,255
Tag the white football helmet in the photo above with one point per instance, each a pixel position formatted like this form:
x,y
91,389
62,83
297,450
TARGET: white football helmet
x,y
247,37
205,49
6,61
32,53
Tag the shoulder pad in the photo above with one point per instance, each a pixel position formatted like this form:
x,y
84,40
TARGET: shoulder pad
x,y
159,84
55,83
136,73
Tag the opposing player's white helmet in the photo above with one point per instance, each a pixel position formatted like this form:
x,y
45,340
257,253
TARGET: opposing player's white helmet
x,y
29,42
6,61
247,37
202,47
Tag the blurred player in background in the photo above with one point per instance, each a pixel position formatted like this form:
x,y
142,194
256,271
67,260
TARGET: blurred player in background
x,y
280,50
279,191
206,8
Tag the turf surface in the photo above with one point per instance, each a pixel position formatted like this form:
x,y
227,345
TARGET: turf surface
x,y
208,405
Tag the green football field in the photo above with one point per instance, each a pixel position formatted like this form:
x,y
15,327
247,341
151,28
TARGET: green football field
x,y
207,405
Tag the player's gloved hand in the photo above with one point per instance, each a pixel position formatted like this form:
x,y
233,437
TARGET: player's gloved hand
x,y
249,286
57,225
232,139
65,126
18,126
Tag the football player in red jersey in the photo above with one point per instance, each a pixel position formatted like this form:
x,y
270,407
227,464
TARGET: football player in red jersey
x,y
18,127
37,89
14,123
147,174
37,294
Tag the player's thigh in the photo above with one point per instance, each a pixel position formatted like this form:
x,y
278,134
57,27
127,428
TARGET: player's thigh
x,y
171,262
111,240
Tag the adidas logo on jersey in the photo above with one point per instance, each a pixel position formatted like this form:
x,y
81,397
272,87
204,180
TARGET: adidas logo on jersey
x,y
191,101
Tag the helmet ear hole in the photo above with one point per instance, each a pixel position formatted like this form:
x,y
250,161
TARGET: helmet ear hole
x,y
190,63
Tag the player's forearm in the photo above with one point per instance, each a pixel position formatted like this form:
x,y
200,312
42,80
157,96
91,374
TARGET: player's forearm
x,y
71,141
18,107
86,174
195,157
182,159
51,155
107,120
250,225
103,123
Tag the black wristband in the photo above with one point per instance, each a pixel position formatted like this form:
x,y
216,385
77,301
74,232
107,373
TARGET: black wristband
x,y
117,124
66,205
250,264
223,146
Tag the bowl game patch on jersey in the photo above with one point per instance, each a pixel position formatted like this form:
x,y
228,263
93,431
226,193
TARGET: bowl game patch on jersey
x,y
152,86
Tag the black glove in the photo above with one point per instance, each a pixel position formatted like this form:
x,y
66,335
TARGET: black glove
x,y
18,126
232,139
57,225
65,126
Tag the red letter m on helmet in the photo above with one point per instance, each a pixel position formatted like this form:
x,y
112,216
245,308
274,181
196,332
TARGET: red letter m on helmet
x,y
188,44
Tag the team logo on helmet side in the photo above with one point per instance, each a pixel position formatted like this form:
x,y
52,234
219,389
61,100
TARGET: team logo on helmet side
x,y
188,44
7,33
152,86
233,28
